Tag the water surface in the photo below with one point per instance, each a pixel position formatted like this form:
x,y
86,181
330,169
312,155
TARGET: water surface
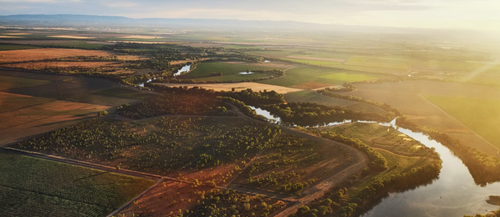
x,y
453,194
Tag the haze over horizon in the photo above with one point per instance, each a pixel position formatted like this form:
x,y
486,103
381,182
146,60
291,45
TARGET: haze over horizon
x,y
442,14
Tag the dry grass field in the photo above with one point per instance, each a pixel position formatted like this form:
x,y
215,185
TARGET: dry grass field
x,y
46,53
239,86
39,65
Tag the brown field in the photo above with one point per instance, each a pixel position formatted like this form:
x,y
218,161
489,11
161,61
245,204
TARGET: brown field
x,y
16,33
8,36
141,37
40,118
160,200
46,53
316,58
39,65
238,86
11,101
70,36
311,85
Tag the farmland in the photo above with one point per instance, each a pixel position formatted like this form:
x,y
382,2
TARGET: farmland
x,y
313,97
408,98
382,137
170,145
291,165
30,186
480,115
304,74
215,159
41,54
229,72
7,82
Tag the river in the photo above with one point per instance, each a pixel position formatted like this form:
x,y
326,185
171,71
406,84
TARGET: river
x,y
453,194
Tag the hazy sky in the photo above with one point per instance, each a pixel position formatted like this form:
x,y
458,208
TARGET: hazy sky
x,y
466,14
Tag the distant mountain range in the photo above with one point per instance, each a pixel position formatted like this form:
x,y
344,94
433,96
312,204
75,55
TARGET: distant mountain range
x,y
91,20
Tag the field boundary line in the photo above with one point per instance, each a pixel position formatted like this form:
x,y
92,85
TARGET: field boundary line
x,y
135,198
84,164
498,150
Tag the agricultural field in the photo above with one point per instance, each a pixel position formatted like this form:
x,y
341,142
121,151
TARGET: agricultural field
x,y
7,82
230,72
292,165
175,104
304,74
313,62
377,62
408,97
182,147
313,97
349,77
381,137
5,47
198,199
46,53
399,165
12,102
480,115
124,93
36,187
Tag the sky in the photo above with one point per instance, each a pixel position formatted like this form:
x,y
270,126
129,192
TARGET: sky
x,y
455,14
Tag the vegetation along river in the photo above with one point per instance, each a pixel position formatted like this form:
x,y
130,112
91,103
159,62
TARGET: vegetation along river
x,y
453,194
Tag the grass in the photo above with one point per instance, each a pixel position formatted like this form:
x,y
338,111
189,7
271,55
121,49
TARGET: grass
x,y
383,137
15,47
36,187
313,62
404,165
480,115
230,72
7,82
304,74
349,77
312,96
124,93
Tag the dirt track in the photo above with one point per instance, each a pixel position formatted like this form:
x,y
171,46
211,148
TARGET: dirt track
x,y
355,166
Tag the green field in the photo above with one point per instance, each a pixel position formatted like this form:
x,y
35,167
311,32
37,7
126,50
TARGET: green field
x,y
4,47
35,187
312,96
480,115
313,62
303,74
230,72
349,77
7,82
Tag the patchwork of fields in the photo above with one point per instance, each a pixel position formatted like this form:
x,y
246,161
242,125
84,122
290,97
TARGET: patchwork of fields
x,y
36,187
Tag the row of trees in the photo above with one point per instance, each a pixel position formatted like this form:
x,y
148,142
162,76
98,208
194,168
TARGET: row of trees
x,y
312,114
483,167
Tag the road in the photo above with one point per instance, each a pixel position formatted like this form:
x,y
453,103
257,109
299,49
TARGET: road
x,y
357,164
